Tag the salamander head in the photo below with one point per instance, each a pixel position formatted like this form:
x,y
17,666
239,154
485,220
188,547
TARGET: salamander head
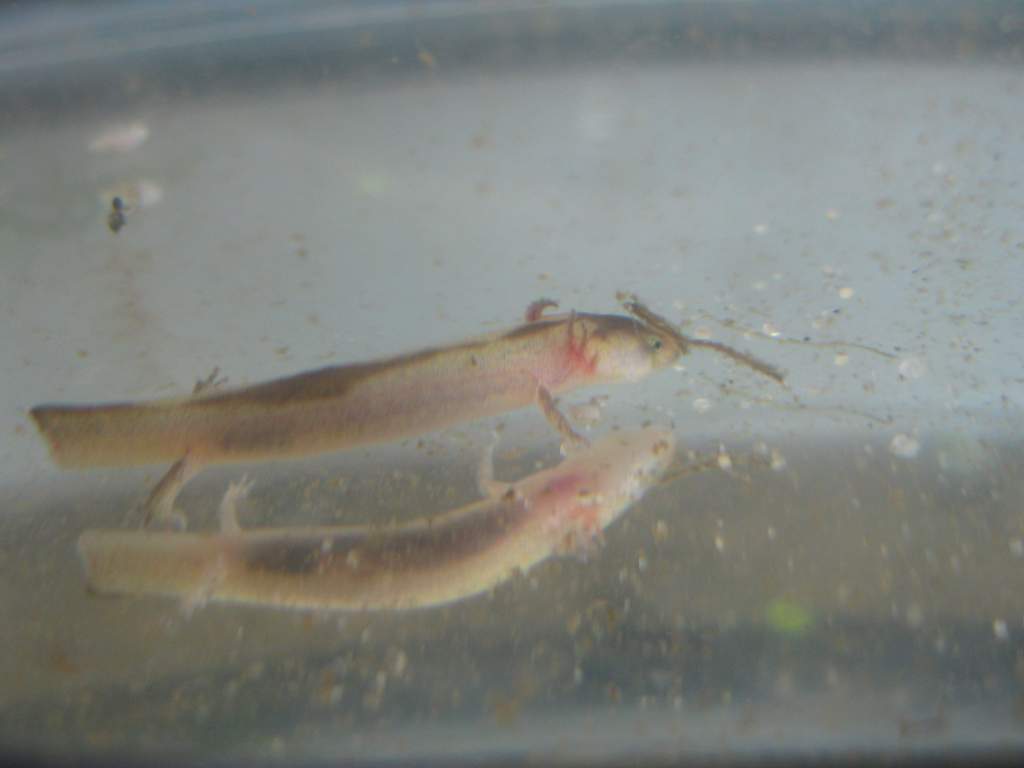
x,y
617,470
629,349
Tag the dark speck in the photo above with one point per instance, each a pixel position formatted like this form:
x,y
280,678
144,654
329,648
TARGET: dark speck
x,y
116,218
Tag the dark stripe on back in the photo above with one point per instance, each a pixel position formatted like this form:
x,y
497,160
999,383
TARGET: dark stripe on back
x,y
362,556
334,381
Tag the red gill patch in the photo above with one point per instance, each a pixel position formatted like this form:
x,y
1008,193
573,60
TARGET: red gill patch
x,y
577,351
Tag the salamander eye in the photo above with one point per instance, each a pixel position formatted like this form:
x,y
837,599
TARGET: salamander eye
x,y
653,343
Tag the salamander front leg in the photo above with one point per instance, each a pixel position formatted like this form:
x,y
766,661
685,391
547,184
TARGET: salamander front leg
x,y
571,440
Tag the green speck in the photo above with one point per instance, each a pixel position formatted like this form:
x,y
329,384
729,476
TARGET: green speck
x,y
787,617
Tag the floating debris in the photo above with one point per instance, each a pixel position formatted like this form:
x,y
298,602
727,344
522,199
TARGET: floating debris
x,y
787,617
127,197
912,368
427,59
904,446
142,193
1000,630
778,461
658,323
116,218
120,138
661,531
589,413
768,331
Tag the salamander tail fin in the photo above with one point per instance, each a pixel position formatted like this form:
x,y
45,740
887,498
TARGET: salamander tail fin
x,y
118,434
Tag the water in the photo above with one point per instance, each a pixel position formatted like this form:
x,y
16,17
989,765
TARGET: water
x,y
391,181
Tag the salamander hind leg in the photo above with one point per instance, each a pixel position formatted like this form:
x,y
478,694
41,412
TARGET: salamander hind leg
x,y
485,482
159,508
228,512
212,578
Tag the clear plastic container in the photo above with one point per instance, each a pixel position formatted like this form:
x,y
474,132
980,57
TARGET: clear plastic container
x,y
834,187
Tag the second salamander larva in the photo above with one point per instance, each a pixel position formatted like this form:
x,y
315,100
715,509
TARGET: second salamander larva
x,y
426,562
